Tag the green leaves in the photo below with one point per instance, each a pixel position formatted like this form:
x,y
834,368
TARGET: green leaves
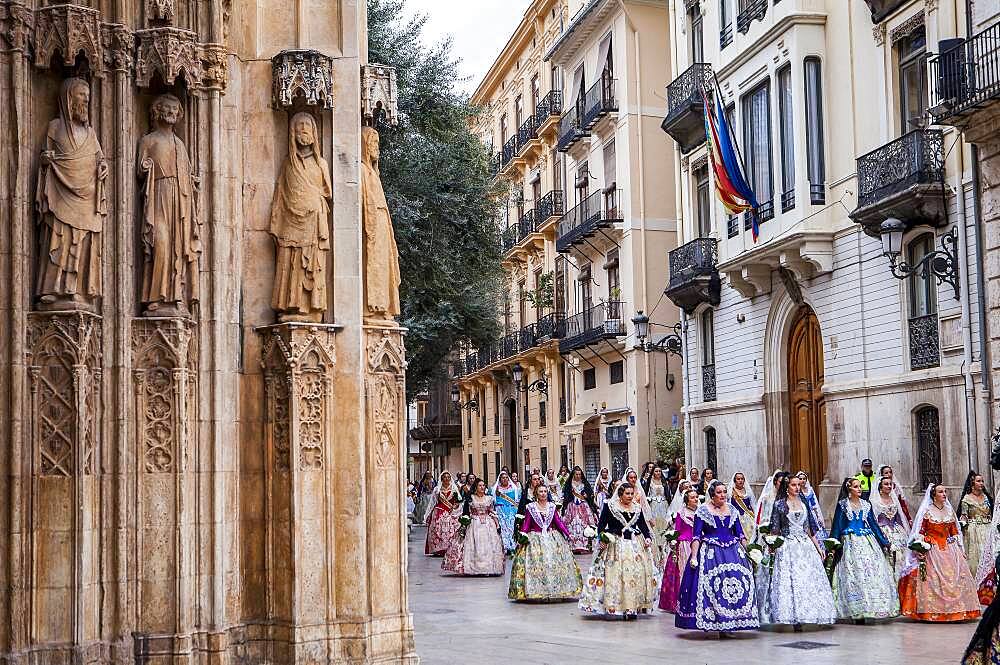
x,y
444,205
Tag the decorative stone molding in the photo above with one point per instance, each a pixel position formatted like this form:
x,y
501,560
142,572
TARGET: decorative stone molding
x,y
68,30
379,97
16,23
305,72
930,5
169,51
214,66
878,34
64,371
160,10
904,29
385,394
118,46
804,255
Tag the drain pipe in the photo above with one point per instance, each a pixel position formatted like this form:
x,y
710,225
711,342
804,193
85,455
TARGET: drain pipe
x,y
963,276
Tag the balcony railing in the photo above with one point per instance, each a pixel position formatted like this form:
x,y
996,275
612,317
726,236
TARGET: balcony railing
x,y
514,343
549,326
599,322
599,101
551,105
599,210
570,128
508,152
509,238
726,36
527,225
925,345
550,205
966,77
495,160
902,179
685,119
753,10
527,133
708,383
694,276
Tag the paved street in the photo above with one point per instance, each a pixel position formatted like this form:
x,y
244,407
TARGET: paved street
x,y
471,620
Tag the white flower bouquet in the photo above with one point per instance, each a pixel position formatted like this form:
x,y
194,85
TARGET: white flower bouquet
x,y
589,532
774,542
670,535
607,538
756,554
921,547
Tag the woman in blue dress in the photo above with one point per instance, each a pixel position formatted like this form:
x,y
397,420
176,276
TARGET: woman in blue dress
x,y
717,592
507,496
812,502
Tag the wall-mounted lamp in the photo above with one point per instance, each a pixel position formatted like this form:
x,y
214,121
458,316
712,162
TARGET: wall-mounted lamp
x,y
540,385
671,344
458,405
941,263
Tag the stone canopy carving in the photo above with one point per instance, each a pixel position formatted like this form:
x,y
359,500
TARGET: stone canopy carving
x,y
302,72
72,205
381,257
300,226
68,30
379,97
171,231
169,51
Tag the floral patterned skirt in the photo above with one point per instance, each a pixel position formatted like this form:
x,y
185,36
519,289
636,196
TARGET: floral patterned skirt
x,y
947,594
544,569
975,535
720,593
799,591
673,572
578,517
863,584
478,551
441,528
622,580
898,539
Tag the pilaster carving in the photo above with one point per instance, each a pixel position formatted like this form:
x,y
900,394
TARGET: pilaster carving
x,y
64,369
878,34
214,66
119,47
16,23
379,96
169,51
160,10
385,394
302,72
68,30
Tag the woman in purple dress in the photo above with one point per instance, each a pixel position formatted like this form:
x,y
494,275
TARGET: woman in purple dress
x,y
717,592
680,552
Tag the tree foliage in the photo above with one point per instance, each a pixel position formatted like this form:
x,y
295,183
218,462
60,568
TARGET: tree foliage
x,y
444,204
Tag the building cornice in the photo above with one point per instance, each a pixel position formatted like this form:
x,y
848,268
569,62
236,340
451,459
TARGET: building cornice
x,y
765,40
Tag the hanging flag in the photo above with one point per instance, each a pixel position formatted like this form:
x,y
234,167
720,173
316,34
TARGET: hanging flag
x,y
730,184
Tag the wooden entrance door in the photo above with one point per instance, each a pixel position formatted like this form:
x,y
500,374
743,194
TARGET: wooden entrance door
x,y
805,392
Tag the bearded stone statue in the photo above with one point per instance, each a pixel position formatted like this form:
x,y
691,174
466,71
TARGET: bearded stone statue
x,y
72,205
381,255
171,231
300,226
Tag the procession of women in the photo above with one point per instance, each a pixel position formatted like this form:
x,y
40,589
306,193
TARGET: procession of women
x,y
717,556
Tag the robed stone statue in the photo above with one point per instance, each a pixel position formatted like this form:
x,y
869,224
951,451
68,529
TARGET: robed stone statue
x,y
300,226
72,205
171,232
380,253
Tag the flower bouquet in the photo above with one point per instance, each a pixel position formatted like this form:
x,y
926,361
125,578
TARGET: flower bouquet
x,y
756,555
522,538
463,524
831,545
589,532
671,536
607,538
921,547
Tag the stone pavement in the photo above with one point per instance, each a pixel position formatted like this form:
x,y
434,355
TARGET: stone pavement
x,y
470,620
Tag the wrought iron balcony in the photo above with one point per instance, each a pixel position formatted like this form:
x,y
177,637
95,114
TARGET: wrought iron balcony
x,y
550,106
925,344
598,211
694,276
753,10
598,102
966,77
527,133
685,121
602,321
495,160
527,225
570,129
508,152
509,238
903,179
616,434
550,205
549,326
708,393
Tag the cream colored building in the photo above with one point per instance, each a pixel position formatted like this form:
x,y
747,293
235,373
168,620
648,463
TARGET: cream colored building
x,y
803,350
573,105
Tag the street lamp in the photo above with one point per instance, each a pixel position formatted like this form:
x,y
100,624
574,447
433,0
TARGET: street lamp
x,y
941,263
670,344
541,385
456,401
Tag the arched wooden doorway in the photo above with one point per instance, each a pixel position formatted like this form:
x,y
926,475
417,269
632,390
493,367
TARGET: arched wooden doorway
x,y
805,393
510,441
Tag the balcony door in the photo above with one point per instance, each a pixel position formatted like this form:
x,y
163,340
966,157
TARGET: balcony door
x,y
805,392
510,444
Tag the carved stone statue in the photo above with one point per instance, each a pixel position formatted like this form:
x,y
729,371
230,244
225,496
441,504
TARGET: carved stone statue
x,y
381,256
72,205
300,226
171,232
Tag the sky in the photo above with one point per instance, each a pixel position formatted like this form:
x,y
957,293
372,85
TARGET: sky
x,y
480,29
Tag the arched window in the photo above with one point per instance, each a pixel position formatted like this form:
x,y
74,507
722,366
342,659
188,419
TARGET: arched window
x,y
711,450
923,322
928,445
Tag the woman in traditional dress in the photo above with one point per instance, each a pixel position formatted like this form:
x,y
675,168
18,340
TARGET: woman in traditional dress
x,y
707,476
622,581
763,573
799,592
442,521
680,552
742,499
632,478
864,586
986,575
656,491
812,502
527,496
894,525
937,586
554,486
543,566
975,512
694,476
477,548
885,471
647,473
425,496
507,495
578,510
767,496
563,476
717,591
602,487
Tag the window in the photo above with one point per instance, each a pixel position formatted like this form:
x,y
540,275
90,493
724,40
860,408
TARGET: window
x,y
518,112
527,461
508,312
928,445
538,301
557,171
582,181
496,462
486,465
605,59
726,23
732,226
610,182
704,202
586,289
696,34
503,129
560,286
814,131
711,450
536,91
564,455
757,139
616,371
589,378
592,461
786,125
482,410
923,324
470,467
613,272
542,415
524,413
522,305
912,53
496,409
544,456
708,392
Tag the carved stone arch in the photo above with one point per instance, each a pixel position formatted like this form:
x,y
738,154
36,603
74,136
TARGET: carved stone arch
x,y
386,354
69,30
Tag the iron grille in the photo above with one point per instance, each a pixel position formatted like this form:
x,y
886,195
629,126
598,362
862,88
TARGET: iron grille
x,y
925,346
599,101
732,226
929,446
548,326
687,89
550,205
598,210
508,240
601,321
509,150
551,104
967,75
570,129
562,410
527,225
817,194
527,132
726,36
916,158
708,383
694,259
787,200
753,10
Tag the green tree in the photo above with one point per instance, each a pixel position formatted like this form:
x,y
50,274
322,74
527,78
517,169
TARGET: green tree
x,y
444,204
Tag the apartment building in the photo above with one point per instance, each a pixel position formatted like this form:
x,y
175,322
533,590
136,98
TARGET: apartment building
x,y
573,107
852,327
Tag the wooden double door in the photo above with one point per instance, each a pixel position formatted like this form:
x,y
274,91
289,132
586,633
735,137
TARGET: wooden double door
x,y
805,394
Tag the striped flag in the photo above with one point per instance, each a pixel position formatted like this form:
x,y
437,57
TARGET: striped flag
x,y
730,184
